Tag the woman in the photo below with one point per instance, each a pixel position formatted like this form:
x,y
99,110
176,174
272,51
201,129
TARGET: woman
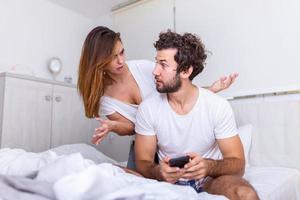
x,y
114,88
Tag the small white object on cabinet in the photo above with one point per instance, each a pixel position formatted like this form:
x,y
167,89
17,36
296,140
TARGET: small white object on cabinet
x,y
38,114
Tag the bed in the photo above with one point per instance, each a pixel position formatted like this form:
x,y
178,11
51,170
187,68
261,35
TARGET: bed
x,y
79,171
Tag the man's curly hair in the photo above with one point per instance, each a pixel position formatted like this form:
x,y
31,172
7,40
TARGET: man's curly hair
x,y
190,50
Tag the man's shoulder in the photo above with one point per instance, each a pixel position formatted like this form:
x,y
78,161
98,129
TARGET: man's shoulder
x,y
211,96
149,107
153,99
213,101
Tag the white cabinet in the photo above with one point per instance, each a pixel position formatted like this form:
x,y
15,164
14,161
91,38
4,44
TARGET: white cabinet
x,y
69,122
37,114
25,116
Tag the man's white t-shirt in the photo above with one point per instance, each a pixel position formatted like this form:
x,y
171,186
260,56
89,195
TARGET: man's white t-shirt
x,y
211,118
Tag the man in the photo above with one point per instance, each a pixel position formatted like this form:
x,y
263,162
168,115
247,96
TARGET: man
x,y
186,120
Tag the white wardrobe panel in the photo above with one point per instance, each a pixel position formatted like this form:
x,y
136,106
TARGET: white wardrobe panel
x,y
26,115
141,24
1,104
69,124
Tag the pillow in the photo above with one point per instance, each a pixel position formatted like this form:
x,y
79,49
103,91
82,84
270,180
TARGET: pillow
x,y
245,133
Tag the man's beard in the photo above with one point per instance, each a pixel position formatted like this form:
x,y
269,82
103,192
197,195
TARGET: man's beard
x,y
171,86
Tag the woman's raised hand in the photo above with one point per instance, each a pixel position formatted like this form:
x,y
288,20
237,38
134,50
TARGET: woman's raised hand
x,y
223,83
101,132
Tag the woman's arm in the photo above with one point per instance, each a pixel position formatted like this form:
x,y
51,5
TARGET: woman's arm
x,y
223,83
115,123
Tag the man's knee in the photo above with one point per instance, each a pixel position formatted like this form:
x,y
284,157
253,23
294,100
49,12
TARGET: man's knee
x,y
221,183
246,192
232,187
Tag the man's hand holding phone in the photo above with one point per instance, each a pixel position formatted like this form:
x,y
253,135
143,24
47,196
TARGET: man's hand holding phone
x,y
168,173
196,168
192,166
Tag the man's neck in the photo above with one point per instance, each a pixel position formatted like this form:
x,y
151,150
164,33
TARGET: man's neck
x,y
183,101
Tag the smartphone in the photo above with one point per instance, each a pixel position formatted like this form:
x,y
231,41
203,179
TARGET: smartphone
x,y
179,162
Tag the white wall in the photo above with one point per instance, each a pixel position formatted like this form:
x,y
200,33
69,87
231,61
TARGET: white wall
x,y
258,39
140,24
32,31
105,20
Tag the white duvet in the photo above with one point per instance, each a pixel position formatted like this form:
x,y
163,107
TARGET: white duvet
x,y
73,177
21,163
76,178
81,180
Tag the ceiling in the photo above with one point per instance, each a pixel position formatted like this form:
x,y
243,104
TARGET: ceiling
x,y
89,8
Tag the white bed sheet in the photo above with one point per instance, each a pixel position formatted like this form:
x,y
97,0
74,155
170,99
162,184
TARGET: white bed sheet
x,y
87,151
271,183
74,178
275,183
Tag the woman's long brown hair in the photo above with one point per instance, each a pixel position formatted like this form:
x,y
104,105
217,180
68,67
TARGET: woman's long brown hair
x,y
96,54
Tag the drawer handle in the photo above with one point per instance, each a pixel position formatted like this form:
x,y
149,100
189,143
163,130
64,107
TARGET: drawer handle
x,y
58,98
48,98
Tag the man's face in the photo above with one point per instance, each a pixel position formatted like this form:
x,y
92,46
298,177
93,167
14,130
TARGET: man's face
x,y
166,78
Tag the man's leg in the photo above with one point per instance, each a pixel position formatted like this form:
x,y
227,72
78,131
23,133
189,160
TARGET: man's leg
x,y
233,187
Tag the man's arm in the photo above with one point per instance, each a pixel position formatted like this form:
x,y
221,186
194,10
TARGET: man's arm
x,y
145,148
233,162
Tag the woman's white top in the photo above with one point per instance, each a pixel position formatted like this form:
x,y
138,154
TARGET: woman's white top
x,y
141,71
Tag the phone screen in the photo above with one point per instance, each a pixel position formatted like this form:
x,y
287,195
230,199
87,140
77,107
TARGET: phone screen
x,y
179,162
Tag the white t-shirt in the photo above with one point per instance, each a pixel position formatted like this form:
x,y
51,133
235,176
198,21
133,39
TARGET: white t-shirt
x,y
211,118
141,71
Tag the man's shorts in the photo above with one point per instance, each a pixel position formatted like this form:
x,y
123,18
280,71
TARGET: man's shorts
x,y
196,184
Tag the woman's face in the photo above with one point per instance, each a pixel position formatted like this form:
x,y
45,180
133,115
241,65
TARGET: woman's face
x,y
116,66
